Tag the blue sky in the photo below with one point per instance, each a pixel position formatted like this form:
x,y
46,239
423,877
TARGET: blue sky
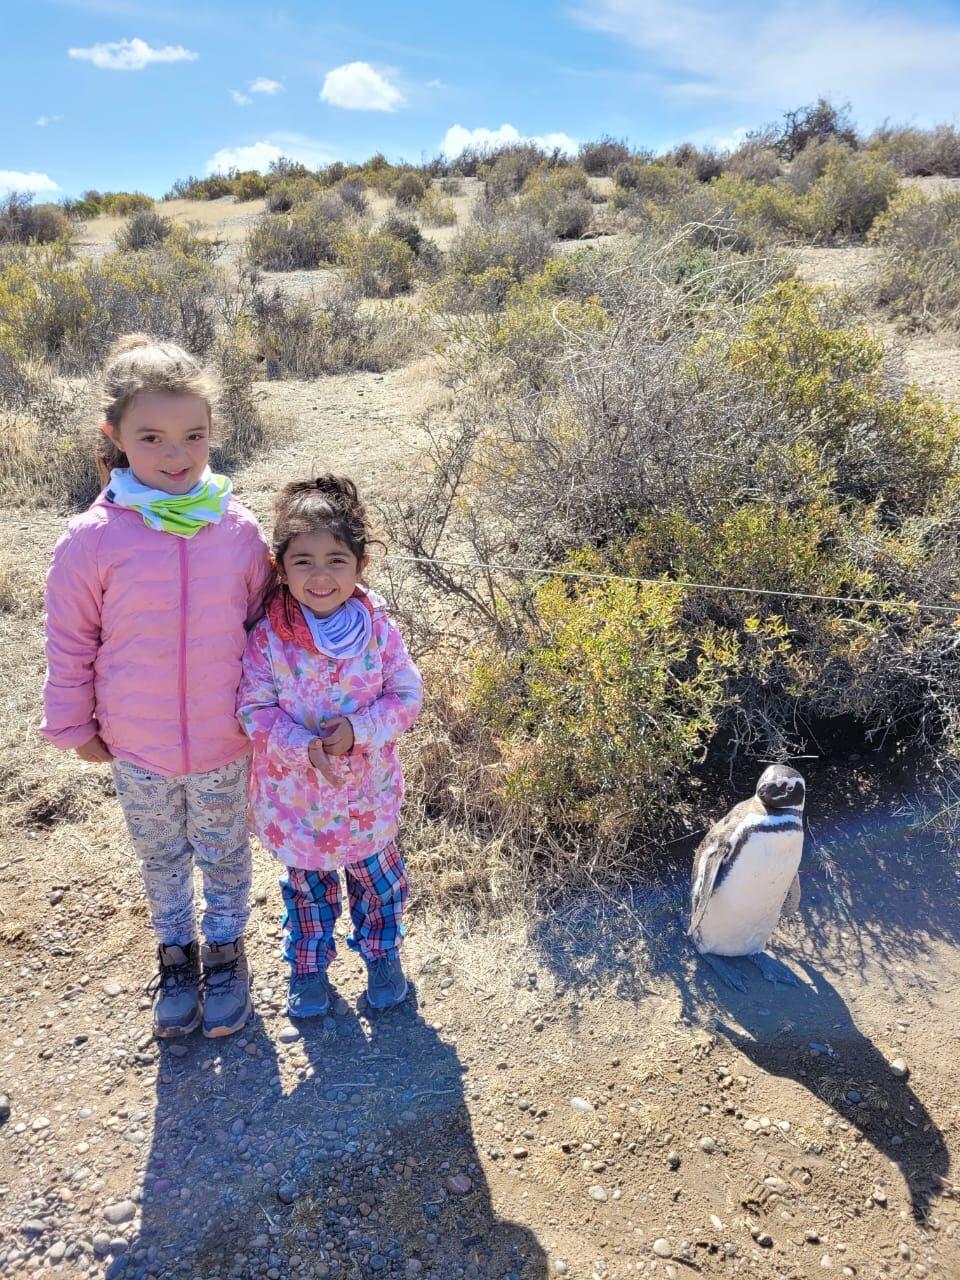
x,y
121,94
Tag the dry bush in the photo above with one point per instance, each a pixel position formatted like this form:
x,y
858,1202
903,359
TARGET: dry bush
x,y
558,199
919,152
716,428
300,240
918,278
852,192
435,210
756,160
354,196
145,230
23,222
300,339
821,121
506,170
409,189
704,163
250,186
452,184
600,158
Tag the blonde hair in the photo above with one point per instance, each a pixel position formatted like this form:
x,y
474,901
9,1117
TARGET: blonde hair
x,y
137,363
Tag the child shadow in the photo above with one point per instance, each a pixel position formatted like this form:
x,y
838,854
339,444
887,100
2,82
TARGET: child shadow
x,y
350,1147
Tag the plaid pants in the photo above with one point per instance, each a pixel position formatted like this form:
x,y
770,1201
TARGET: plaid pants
x,y
377,892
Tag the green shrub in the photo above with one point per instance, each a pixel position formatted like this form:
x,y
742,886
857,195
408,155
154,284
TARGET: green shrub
x,y
23,222
376,263
409,189
505,173
249,186
486,258
121,204
80,210
704,163
755,160
353,194
853,191
918,278
557,198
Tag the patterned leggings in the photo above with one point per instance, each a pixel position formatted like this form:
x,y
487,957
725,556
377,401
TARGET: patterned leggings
x,y
377,891
198,819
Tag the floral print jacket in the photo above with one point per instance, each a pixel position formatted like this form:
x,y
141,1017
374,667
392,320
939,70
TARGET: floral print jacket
x,y
288,691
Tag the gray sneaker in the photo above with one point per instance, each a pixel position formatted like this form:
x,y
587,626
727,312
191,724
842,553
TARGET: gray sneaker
x,y
308,995
226,988
386,984
176,990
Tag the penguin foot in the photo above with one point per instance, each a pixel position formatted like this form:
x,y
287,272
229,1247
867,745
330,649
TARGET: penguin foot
x,y
773,970
725,972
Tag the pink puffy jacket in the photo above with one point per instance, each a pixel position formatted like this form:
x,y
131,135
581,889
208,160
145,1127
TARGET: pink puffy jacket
x,y
145,634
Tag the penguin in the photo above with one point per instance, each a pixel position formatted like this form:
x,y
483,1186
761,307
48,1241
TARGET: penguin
x,y
745,875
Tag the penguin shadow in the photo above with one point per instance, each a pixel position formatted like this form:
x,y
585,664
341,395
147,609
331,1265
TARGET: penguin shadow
x,y
349,1143
808,1035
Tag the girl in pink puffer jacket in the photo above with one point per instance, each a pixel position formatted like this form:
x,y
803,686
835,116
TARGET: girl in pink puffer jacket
x,y
148,599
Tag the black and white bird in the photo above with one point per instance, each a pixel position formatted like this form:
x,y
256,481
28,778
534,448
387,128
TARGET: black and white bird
x,y
745,875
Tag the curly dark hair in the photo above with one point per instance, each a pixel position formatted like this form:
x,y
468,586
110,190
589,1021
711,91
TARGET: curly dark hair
x,y
327,502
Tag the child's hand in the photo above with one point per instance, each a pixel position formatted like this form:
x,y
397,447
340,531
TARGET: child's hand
x,y
338,737
320,762
94,751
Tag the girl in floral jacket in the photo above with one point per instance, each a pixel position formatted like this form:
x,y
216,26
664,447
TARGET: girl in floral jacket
x,y
328,687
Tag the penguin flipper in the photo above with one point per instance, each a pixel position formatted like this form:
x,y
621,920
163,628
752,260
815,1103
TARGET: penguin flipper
x,y
714,850
791,903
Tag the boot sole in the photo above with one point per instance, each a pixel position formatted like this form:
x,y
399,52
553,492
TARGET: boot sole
x,y
214,1033
174,1033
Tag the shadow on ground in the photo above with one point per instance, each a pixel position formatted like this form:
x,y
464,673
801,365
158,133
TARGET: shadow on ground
x,y
362,1149
878,892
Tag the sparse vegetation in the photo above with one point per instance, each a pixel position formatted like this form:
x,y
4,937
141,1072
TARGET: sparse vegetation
x,y
918,281
304,238
23,222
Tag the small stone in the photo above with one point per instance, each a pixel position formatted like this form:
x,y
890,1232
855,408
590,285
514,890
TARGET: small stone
x,y
101,1244
673,1160
4,1108
854,1095
597,1193
414,1266
41,1122
458,1184
378,1262
826,1262
112,989
289,1034
879,1197
560,1267
55,897
707,1144
56,1251
287,1193
777,1184
763,1239
581,1104
751,1126
122,1211
178,1050
899,1068
661,1247
32,1227
520,1153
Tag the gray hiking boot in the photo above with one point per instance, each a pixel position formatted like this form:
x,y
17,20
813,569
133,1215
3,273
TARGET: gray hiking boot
x,y
386,984
308,995
226,988
176,990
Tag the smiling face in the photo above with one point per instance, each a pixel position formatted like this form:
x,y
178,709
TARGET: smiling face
x,y
166,439
320,571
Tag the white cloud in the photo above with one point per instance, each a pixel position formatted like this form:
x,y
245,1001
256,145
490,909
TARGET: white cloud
x,y
359,87
781,54
457,139
16,180
263,85
131,55
42,121
259,155
240,99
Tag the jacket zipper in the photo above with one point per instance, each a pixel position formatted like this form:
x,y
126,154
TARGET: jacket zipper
x,y
182,658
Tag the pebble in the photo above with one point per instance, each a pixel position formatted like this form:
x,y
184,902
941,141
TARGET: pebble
x,y
289,1034
520,1153
56,1251
458,1184
707,1144
673,1160
122,1211
899,1068
661,1247
4,1108
112,989
287,1193
55,897
41,1122
178,1050
560,1267
597,1193
581,1104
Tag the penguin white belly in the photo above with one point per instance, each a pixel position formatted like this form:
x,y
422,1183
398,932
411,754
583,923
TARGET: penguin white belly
x,y
743,911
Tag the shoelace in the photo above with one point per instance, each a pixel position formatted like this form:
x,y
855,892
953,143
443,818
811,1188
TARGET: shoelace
x,y
221,975
173,978
380,970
